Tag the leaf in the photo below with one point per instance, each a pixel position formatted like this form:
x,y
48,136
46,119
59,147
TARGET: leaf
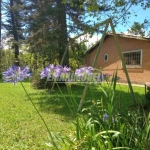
x,y
116,135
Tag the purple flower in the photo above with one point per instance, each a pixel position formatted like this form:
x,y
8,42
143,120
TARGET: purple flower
x,y
105,117
65,72
15,74
55,71
89,70
66,69
79,72
84,71
45,72
25,73
51,66
107,75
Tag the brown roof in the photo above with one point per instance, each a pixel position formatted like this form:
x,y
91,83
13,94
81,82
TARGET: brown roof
x,y
118,34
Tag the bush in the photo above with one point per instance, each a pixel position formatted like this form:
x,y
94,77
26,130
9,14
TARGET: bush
x,y
39,83
148,96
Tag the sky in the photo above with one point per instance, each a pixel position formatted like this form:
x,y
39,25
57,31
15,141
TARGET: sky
x,y
140,16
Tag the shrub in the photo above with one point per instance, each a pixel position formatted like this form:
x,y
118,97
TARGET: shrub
x,y
39,83
98,125
148,96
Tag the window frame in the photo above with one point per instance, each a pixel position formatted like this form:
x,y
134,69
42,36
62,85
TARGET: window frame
x,y
131,51
104,57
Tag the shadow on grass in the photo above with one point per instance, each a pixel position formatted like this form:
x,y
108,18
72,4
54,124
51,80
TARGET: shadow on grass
x,y
56,102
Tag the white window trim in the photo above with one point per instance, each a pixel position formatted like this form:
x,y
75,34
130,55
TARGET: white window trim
x,y
134,66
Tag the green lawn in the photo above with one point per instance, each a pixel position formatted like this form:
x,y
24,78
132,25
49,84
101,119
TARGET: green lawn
x,y
22,129
20,126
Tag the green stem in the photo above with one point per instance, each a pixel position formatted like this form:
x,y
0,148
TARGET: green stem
x,y
73,101
123,62
94,62
39,114
64,98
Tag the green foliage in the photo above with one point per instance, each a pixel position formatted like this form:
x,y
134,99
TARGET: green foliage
x,y
39,83
137,29
33,60
73,63
46,28
21,128
76,54
102,125
7,59
148,96
141,29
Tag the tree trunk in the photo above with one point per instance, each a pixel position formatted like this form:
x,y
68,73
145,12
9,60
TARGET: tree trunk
x,y
0,37
62,33
15,34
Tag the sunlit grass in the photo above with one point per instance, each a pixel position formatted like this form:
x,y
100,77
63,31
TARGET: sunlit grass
x,y
21,127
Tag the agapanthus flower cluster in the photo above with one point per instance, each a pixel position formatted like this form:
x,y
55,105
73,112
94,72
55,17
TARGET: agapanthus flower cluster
x,y
106,117
84,71
15,74
107,75
55,71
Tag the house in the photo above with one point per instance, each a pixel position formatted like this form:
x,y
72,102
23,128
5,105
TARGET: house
x,y
136,52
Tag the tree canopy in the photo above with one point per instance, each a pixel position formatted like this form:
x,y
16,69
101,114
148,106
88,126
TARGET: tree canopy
x,y
46,27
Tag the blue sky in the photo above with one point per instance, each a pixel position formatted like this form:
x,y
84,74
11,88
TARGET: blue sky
x,y
141,15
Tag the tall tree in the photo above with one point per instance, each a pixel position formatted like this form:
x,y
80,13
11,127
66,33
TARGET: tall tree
x,y
41,28
53,17
141,29
50,23
0,36
14,24
62,32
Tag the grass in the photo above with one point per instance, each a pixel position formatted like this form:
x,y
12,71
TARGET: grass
x,y
21,127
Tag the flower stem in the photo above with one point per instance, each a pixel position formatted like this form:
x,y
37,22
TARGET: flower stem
x,y
39,115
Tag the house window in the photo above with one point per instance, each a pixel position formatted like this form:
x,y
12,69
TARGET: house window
x,y
133,58
106,57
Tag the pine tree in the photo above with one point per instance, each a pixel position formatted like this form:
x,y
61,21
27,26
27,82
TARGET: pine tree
x,y
49,23
0,38
14,24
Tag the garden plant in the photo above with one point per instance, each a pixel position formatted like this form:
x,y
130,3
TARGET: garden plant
x,y
148,95
100,124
